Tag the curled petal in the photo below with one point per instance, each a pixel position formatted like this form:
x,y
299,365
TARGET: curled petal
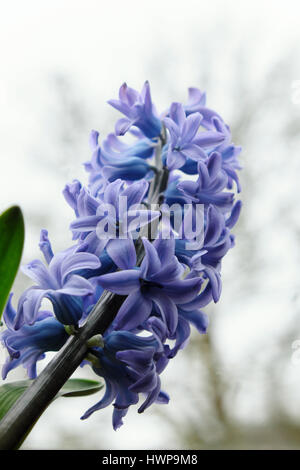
x,y
130,169
209,139
28,306
215,225
45,246
183,332
78,261
76,285
200,301
235,213
10,313
37,271
110,393
195,97
121,282
197,318
123,125
215,280
152,397
85,224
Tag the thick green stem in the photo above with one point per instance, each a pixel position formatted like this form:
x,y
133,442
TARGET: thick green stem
x,y
29,407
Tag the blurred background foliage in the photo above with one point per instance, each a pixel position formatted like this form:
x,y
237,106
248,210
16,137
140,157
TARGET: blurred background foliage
x,y
238,386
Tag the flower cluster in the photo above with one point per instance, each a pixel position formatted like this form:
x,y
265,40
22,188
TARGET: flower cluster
x,y
167,290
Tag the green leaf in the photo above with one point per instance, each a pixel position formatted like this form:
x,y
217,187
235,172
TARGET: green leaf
x,y
79,388
11,247
10,392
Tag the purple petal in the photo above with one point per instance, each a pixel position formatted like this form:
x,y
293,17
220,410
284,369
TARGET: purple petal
x,y
177,114
45,246
10,313
78,261
184,291
196,97
93,244
220,124
175,159
122,252
172,128
235,213
140,361
146,383
110,393
123,125
151,262
71,192
197,318
194,152
146,94
204,178
112,192
55,264
215,281
214,164
163,398
189,188
76,285
133,312
136,192
121,282
118,415
112,141
28,307
152,397
157,327
183,332
37,271
85,224
167,308
200,301
94,136
140,218
191,126
165,249
128,95
120,106
209,139
172,270
215,225
86,204
208,116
